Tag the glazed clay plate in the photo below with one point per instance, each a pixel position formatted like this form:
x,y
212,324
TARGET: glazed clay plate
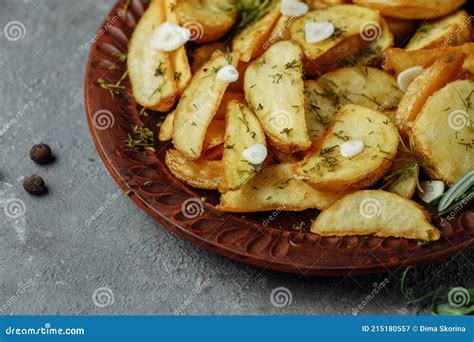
x,y
265,240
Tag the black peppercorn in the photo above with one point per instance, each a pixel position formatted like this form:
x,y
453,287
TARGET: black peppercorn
x,y
41,154
34,185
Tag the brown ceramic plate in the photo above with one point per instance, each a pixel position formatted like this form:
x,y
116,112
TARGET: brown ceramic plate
x,y
246,239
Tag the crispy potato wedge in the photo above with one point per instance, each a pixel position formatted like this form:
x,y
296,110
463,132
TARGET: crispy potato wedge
x,y
198,105
282,157
402,177
208,20
397,60
371,55
435,77
319,109
411,9
274,88
280,32
166,129
401,29
443,133
203,54
276,188
201,173
242,131
251,39
347,40
454,29
150,71
178,58
365,86
327,170
375,212
214,135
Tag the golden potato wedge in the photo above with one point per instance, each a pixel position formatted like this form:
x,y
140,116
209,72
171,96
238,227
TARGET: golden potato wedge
x,y
150,71
201,173
243,130
214,134
435,77
348,39
259,25
455,29
319,109
276,188
281,31
365,86
401,29
208,20
274,88
178,58
166,129
397,60
412,9
326,169
375,212
443,133
371,55
282,157
198,105
203,53
402,178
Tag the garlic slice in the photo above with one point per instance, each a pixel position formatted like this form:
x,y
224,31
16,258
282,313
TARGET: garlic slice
x,y
228,74
255,154
351,148
407,76
169,37
293,8
317,31
431,190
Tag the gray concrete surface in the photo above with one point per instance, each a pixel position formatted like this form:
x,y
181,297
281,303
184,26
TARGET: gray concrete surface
x,y
52,260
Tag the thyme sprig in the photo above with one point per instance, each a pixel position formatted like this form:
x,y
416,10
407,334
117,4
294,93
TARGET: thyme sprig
x,y
141,138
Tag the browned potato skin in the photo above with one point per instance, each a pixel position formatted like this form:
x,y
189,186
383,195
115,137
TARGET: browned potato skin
x,y
412,9
201,173
401,29
333,57
397,60
442,72
203,15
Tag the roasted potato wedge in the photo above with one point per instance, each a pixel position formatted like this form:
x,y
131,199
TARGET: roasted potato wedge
x,y
201,173
319,109
443,133
375,212
243,130
348,39
166,129
198,105
178,58
411,9
397,60
208,20
402,177
326,169
371,55
151,72
365,86
401,29
435,77
454,29
251,39
274,88
226,99
214,134
276,188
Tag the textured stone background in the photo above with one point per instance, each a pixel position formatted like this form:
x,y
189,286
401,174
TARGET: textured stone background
x,y
52,261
